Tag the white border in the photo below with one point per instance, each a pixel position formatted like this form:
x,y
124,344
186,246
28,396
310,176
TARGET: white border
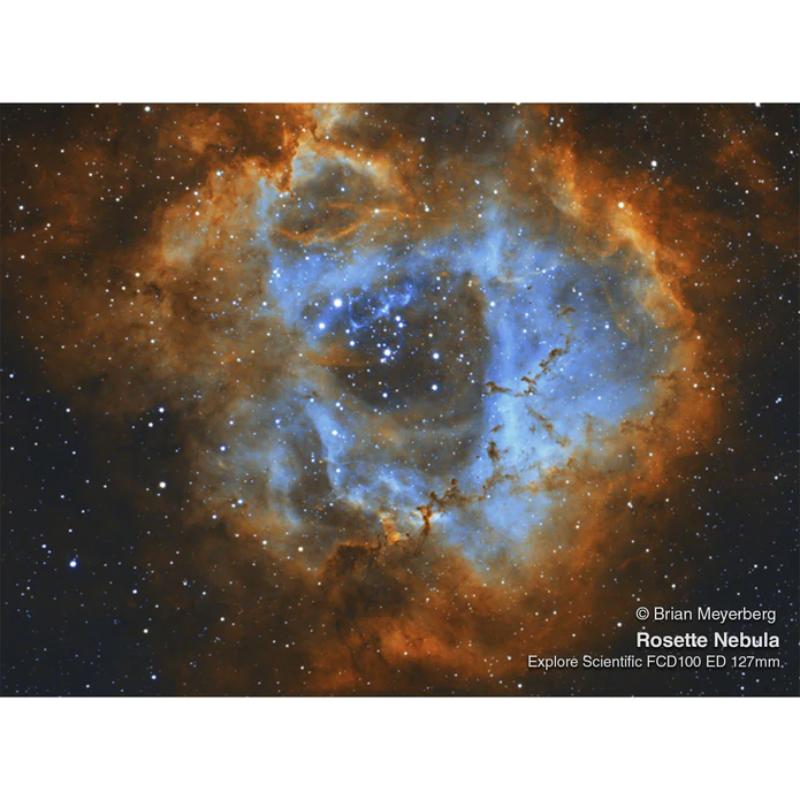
x,y
418,50
390,748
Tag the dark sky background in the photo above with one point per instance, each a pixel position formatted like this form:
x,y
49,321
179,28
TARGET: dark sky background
x,y
137,245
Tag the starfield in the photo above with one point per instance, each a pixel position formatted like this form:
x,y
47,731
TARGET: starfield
x,y
386,400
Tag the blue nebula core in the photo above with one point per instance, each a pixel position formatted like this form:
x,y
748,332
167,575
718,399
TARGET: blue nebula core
x,y
477,358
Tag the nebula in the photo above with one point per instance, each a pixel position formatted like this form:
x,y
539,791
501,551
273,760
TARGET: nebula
x,y
438,381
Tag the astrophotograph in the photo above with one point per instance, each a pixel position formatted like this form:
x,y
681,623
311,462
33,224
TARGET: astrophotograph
x,y
400,400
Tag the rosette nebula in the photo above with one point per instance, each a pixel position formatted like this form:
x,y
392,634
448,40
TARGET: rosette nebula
x,y
385,399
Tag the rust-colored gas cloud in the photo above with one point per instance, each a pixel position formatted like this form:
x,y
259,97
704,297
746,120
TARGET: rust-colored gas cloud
x,y
392,397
